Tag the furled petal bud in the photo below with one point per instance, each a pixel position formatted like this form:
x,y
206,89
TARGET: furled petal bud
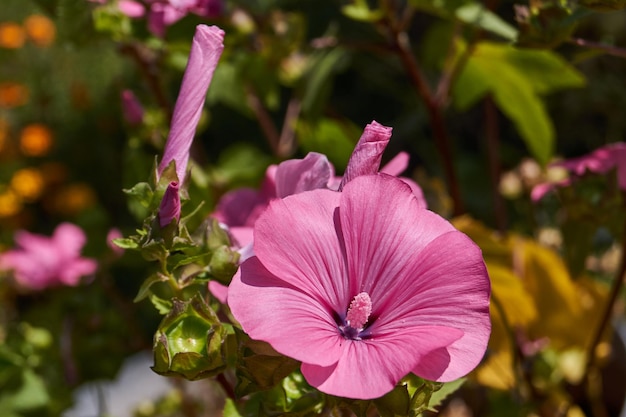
x,y
368,152
206,49
170,205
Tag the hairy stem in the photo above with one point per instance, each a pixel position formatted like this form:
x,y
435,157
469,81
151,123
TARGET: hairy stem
x,y
608,49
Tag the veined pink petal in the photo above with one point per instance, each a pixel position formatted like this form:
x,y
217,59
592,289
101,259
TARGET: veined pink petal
x,y
297,175
206,50
293,321
389,359
367,154
451,265
382,223
303,249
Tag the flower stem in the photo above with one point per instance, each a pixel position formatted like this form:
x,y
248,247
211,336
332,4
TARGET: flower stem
x,y
402,46
608,49
605,319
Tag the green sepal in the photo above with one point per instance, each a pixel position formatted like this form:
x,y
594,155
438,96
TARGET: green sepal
x,y
144,290
224,264
190,341
260,367
394,403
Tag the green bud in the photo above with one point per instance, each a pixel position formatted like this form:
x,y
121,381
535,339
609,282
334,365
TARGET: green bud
x,y
544,27
190,341
224,264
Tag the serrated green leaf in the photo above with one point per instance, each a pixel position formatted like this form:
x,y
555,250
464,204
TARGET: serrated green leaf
x,y
126,243
516,79
142,192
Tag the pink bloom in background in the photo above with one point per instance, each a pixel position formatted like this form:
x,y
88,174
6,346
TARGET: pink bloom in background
x,y
114,233
364,287
169,210
239,209
600,161
206,50
132,110
164,13
40,261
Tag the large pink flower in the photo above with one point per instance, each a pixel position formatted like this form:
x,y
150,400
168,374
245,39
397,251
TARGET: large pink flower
x,y
40,261
364,287
206,50
600,161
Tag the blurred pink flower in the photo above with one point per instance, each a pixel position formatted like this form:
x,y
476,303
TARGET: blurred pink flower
x,y
240,208
164,13
364,287
600,161
40,261
114,233
132,110
206,50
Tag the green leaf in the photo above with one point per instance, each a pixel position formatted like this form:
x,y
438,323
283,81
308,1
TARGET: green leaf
x,y
319,78
142,192
162,306
476,14
516,79
446,390
230,409
32,394
126,243
144,290
394,403
334,138
360,11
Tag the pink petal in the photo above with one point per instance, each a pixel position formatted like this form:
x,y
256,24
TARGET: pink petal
x,y
449,287
382,223
371,368
73,270
131,8
397,165
219,291
367,154
297,175
68,240
206,50
296,240
294,321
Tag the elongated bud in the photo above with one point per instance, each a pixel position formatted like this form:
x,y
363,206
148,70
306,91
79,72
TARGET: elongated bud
x,y
206,50
170,205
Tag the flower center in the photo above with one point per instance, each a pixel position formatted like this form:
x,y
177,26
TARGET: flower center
x,y
357,317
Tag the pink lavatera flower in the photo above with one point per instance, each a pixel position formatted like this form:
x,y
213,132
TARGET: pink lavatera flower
x,y
206,50
364,287
40,262
601,161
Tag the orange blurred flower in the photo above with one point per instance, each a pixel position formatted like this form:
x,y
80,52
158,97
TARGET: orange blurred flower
x,y
13,94
11,35
35,140
40,29
10,203
28,183
74,198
